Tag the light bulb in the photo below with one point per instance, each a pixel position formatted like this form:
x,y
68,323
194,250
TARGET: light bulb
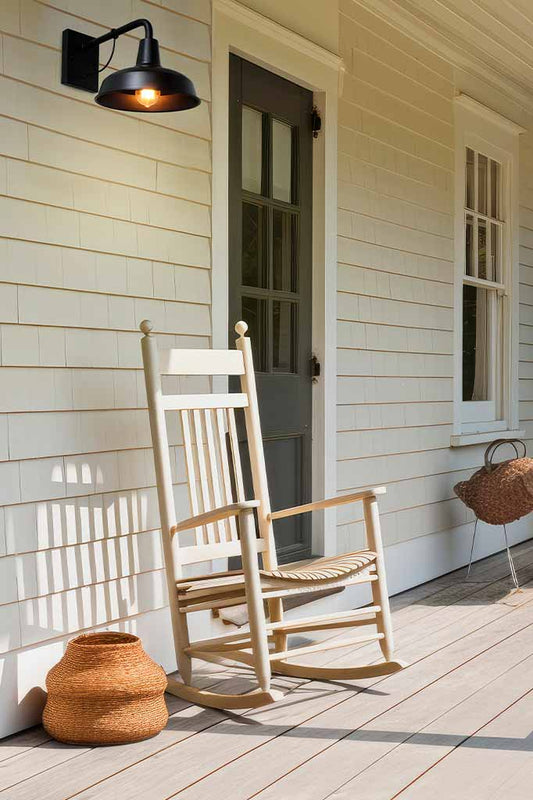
x,y
147,97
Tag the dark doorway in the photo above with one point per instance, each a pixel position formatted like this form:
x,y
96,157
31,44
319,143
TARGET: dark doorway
x,y
270,275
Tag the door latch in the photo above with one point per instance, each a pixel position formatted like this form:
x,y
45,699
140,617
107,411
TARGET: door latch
x,y
315,368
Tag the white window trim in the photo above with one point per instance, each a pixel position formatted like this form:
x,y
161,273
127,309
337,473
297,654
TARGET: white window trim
x,y
483,129
240,30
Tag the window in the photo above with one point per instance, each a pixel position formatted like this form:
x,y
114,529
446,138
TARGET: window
x,y
483,287
486,322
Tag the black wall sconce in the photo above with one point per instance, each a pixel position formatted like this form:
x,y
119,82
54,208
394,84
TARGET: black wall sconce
x,y
145,87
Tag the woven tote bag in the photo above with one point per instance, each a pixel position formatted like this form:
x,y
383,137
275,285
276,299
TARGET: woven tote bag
x,y
503,492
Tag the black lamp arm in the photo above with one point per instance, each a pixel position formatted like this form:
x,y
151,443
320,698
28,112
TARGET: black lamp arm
x,y
114,33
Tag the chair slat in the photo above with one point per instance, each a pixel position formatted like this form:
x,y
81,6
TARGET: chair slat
x,y
206,552
201,362
236,455
204,482
214,470
191,472
176,402
226,475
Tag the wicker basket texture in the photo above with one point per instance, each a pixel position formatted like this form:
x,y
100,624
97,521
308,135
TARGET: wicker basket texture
x,y
105,690
500,493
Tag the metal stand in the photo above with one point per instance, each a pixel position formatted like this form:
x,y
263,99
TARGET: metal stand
x,y
509,556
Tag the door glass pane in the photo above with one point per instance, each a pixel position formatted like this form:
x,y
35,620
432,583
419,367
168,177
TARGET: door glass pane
x,y
482,167
284,336
252,149
476,343
495,239
482,249
469,243
253,245
281,161
284,254
254,314
494,189
469,178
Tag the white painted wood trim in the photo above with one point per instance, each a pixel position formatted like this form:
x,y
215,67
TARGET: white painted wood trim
x,y
464,439
488,114
288,38
242,31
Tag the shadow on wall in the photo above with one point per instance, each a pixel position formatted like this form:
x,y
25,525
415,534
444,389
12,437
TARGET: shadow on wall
x,y
95,559
73,564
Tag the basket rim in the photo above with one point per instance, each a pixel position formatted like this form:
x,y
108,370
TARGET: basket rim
x,y
105,639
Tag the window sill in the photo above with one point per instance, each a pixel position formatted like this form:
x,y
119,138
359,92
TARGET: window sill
x,y
464,439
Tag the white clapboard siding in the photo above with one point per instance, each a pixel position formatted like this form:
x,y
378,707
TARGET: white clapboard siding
x,y
104,222
395,284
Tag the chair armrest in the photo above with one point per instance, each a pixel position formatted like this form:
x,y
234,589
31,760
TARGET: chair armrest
x,y
217,514
341,500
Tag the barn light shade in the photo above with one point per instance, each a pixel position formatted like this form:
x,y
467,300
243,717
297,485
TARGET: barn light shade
x,y
146,87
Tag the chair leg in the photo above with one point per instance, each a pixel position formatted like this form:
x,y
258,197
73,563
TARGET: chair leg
x,y
184,660
472,549
275,609
254,601
380,594
511,562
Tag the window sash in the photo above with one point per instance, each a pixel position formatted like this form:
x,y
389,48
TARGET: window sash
x,y
488,275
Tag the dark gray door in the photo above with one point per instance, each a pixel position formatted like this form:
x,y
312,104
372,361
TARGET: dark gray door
x,y
270,192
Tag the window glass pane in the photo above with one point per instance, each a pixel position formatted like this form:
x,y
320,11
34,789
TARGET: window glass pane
x,y
252,149
482,168
482,249
254,314
284,255
281,161
495,238
495,189
469,178
284,336
253,245
469,243
476,343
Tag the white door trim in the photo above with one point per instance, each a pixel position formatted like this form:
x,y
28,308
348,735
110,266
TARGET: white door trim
x,y
240,30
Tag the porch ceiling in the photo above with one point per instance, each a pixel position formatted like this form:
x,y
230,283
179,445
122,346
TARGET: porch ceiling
x,y
494,33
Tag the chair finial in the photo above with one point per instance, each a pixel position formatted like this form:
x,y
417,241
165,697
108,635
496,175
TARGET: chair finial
x,y
146,326
241,328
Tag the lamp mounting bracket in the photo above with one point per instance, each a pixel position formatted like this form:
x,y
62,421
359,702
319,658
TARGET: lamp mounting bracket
x,y
79,62
80,53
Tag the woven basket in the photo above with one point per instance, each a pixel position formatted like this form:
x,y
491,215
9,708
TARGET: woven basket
x,y
500,493
105,690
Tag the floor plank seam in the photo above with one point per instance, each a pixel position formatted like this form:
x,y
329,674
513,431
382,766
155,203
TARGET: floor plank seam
x,y
460,744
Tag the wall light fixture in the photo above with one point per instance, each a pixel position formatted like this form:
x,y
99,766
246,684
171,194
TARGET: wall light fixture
x,y
146,87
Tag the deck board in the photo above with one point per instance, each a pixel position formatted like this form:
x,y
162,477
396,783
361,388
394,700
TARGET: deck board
x,y
471,661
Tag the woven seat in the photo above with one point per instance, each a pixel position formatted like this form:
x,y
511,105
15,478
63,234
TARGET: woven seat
x,y
321,570
324,569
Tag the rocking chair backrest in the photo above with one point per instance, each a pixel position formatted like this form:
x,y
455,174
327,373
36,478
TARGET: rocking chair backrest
x,y
211,447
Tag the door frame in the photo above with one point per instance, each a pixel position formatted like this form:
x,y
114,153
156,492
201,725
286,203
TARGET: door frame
x,y
237,29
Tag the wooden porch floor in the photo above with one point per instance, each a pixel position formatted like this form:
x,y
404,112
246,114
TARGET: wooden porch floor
x,y
456,724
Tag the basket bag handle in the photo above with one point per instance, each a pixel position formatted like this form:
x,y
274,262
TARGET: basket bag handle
x,y
493,446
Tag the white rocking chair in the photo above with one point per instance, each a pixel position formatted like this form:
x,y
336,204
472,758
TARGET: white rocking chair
x,y
223,525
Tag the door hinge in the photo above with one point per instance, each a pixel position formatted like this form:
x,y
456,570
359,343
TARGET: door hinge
x,y
315,368
316,122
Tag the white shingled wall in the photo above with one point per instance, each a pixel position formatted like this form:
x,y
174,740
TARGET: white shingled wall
x,y
395,299
104,220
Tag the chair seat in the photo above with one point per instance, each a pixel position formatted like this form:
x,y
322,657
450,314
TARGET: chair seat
x,y
324,569
321,570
